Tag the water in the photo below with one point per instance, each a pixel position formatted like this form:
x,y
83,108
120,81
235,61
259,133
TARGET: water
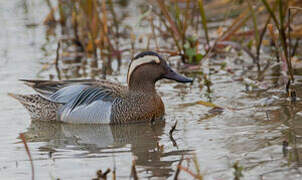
x,y
250,130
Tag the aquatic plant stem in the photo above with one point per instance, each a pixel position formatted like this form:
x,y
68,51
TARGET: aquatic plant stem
x,y
172,28
133,171
57,60
204,20
166,14
261,37
29,156
178,168
281,30
256,32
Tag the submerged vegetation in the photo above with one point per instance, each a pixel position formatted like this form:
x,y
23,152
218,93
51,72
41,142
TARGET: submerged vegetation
x,y
95,36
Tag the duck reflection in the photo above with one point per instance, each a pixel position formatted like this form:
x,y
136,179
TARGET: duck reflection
x,y
103,139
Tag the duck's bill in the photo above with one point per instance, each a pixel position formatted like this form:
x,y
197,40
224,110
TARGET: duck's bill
x,y
177,77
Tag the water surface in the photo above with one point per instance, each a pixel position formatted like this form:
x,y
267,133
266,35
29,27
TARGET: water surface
x,y
251,129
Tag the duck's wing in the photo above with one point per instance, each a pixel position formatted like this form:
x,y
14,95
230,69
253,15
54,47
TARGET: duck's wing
x,y
91,105
63,91
47,87
82,101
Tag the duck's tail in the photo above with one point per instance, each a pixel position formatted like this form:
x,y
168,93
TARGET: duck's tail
x,y
38,107
23,99
32,83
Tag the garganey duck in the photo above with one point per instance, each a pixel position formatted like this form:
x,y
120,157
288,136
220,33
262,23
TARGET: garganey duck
x,y
102,101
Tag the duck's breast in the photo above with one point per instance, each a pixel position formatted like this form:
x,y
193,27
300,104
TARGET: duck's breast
x,y
137,107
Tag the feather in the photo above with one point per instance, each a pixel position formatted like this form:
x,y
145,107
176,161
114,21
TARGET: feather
x,y
87,104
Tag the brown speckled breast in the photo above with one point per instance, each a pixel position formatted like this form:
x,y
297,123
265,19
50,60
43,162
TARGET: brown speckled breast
x,y
137,107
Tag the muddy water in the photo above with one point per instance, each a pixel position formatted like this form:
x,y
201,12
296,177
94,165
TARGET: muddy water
x,y
251,129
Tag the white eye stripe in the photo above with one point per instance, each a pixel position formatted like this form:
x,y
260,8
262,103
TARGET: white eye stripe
x,y
139,61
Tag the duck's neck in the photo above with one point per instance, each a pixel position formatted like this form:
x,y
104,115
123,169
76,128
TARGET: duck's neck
x,y
142,86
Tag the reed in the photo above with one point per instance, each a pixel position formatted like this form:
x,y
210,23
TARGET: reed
x,y
204,20
96,26
281,29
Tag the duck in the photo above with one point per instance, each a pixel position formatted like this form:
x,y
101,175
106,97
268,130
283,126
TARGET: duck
x,y
89,101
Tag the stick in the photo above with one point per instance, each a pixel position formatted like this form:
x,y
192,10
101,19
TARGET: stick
x,y
29,156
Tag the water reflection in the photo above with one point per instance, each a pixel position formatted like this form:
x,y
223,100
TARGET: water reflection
x,y
290,116
293,134
101,140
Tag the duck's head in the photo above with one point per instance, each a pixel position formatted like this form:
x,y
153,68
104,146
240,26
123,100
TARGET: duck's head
x,y
148,67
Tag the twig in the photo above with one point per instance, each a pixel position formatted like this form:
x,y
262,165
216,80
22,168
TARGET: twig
x,y
256,32
237,24
189,172
267,115
275,43
102,175
297,8
153,33
280,27
204,20
173,128
236,45
195,161
57,60
29,156
289,37
271,12
171,134
173,141
167,15
295,47
261,38
284,42
117,32
133,171
169,28
178,168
